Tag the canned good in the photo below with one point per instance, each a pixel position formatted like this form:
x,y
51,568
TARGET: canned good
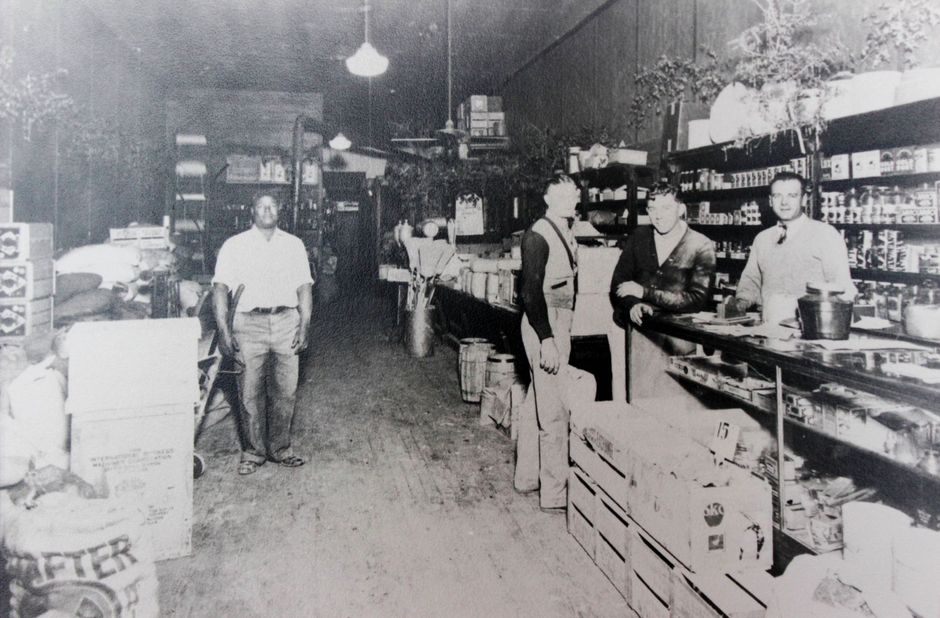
x,y
920,160
933,159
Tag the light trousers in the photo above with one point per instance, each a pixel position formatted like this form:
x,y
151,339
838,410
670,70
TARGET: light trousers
x,y
545,464
267,384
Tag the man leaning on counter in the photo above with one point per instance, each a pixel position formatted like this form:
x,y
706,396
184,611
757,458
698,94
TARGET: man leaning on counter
x,y
786,257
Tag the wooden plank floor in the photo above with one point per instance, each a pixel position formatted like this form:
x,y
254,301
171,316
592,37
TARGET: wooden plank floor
x,y
405,507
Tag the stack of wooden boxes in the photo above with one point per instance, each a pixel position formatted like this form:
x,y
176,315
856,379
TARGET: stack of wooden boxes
x,y
671,545
482,116
27,280
133,388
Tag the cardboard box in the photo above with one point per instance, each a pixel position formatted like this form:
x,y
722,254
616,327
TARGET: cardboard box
x,y
582,499
148,363
22,317
639,465
26,241
707,528
144,236
840,167
27,279
143,456
866,164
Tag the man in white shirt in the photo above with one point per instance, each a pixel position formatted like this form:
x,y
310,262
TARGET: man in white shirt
x,y
784,258
270,328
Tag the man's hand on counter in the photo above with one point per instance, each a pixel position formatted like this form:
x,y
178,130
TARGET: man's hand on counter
x,y
630,288
638,311
548,356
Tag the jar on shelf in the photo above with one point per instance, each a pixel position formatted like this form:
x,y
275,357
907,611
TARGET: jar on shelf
x,y
892,201
853,210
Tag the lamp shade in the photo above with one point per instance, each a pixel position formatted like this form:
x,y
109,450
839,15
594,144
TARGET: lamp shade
x,y
340,142
367,62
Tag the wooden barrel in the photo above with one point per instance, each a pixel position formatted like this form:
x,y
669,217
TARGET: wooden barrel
x,y
500,370
472,364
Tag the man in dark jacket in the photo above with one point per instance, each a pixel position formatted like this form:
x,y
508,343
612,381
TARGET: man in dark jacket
x,y
663,267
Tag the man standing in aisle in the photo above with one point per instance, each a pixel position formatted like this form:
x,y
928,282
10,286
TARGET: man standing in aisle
x,y
270,274
786,257
549,286
663,267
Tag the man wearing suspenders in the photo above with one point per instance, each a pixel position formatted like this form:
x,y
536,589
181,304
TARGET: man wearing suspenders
x,y
549,287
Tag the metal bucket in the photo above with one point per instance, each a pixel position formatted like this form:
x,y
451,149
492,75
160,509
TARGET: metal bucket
x,y
419,332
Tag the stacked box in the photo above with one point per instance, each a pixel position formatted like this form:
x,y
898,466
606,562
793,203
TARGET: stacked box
x,y
27,280
482,116
644,470
131,432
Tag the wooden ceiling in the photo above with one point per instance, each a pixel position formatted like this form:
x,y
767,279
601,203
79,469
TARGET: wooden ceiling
x,y
300,45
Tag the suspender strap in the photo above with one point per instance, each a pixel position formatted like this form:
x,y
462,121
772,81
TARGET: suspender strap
x,y
574,265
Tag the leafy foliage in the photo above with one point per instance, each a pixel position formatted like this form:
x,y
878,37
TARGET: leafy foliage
x,y
898,27
670,79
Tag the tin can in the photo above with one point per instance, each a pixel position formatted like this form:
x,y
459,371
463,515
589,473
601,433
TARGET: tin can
x,y
920,160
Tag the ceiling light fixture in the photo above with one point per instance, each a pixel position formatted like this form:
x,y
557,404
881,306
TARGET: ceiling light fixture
x,y
340,142
366,62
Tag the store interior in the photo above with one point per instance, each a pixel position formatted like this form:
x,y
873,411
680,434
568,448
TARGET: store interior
x,y
716,392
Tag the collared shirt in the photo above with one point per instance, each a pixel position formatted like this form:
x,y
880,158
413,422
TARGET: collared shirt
x,y
677,282
271,270
812,252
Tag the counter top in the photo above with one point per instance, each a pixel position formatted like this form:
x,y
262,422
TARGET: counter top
x,y
849,367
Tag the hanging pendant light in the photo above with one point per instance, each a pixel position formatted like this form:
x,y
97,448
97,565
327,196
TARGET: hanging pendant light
x,y
340,142
449,128
367,61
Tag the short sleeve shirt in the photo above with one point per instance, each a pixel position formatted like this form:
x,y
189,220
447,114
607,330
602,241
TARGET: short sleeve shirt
x,y
271,270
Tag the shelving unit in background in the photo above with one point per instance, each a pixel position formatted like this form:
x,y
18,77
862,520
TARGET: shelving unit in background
x,y
635,178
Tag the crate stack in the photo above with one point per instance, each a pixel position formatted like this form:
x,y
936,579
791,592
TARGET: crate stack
x,y
672,546
27,280
482,116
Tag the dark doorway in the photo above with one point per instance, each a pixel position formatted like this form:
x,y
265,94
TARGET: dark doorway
x,y
352,234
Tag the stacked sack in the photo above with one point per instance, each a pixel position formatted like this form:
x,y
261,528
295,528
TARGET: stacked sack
x,y
72,556
108,282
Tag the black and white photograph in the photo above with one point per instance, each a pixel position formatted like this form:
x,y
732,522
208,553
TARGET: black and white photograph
x,y
470,308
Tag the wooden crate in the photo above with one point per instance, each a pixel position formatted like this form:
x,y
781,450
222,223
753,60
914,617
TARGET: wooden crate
x,y
582,502
713,596
26,241
27,279
612,529
651,563
21,317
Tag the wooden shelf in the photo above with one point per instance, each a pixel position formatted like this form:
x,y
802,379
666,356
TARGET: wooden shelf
x,y
753,193
748,231
909,229
889,276
902,180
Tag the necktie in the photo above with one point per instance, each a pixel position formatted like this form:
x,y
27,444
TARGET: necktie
x,y
570,221
783,233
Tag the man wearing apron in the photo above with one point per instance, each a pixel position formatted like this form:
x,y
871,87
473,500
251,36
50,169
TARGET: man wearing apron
x,y
549,286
